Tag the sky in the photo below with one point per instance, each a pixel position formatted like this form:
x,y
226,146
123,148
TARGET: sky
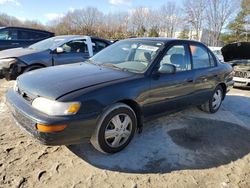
x,y
47,10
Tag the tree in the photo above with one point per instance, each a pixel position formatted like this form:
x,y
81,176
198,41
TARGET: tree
x,y
239,28
84,21
153,32
218,12
184,34
195,13
138,20
169,16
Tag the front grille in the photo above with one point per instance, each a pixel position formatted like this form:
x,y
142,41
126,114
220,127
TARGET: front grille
x,y
241,74
22,120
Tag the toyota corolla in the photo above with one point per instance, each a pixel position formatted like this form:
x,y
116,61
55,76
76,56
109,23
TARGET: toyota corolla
x,y
107,98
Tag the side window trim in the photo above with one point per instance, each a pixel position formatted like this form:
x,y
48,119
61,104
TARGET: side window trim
x,y
211,55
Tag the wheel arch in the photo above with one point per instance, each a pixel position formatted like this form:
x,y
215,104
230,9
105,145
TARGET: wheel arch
x,y
34,64
224,88
136,108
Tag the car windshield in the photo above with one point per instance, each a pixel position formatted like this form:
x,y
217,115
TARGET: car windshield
x,y
130,55
46,44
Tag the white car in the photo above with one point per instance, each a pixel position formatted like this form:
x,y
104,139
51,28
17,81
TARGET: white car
x,y
217,52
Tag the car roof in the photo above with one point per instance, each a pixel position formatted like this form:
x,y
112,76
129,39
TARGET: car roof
x,y
71,37
40,30
162,39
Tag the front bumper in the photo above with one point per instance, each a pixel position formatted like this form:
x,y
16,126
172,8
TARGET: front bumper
x,y
79,127
1,74
13,71
9,73
241,82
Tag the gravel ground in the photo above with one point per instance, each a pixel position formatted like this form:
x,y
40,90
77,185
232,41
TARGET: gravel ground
x,y
185,149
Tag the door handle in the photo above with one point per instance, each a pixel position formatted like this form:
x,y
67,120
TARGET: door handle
x,y
14,43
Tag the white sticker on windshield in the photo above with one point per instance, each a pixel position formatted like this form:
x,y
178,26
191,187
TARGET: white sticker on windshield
x,y
149,48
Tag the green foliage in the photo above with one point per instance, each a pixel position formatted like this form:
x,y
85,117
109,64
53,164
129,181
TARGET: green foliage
x,y
153,32
141,31
239,29
184,34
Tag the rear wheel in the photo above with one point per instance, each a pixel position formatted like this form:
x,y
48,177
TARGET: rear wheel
x,y
115,129
214,103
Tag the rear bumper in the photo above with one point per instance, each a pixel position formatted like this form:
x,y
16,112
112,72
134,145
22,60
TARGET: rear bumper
x,y
79,127
241,82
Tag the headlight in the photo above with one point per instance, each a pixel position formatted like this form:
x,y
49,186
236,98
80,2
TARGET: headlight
x,y
5,63
55,108
15,86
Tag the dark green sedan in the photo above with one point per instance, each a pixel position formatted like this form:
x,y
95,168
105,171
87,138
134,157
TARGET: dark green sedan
x,y
107,98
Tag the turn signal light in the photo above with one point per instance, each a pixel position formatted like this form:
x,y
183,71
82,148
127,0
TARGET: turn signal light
x,y
50,128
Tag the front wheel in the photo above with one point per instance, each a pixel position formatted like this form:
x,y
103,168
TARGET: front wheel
x,y
115,129
214,103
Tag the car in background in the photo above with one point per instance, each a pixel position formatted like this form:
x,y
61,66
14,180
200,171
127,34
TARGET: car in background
x,y
14,37
107,98
217,52
238,55
54,51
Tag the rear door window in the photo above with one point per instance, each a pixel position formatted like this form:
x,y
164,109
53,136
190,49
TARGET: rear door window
x,y
98,45
39,35
24,35
200,57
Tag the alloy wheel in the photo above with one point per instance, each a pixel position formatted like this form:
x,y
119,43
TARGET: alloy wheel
x,y
118,130
217,98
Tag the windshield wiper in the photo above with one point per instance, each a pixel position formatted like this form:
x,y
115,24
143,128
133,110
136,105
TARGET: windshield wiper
x,y
110,65
92,62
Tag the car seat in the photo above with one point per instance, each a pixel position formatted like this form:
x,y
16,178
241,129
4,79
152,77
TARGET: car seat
x,y
179,61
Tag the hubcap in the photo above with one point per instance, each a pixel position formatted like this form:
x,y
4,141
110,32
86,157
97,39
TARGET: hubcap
x,y
217,98
118,130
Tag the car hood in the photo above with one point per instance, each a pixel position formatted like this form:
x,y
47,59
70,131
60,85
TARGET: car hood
x,y
54,82
20,53
236,51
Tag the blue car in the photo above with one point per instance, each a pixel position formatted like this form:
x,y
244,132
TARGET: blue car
x,y
54,51
16,37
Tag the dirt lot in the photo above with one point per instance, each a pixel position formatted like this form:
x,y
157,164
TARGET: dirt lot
x,y
186,149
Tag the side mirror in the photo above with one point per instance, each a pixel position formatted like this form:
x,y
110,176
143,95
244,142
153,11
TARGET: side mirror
x,y
167,69
59,50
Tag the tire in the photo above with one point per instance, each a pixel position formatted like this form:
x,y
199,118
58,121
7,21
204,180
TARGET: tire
x,y
115,129
214,103
31,68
